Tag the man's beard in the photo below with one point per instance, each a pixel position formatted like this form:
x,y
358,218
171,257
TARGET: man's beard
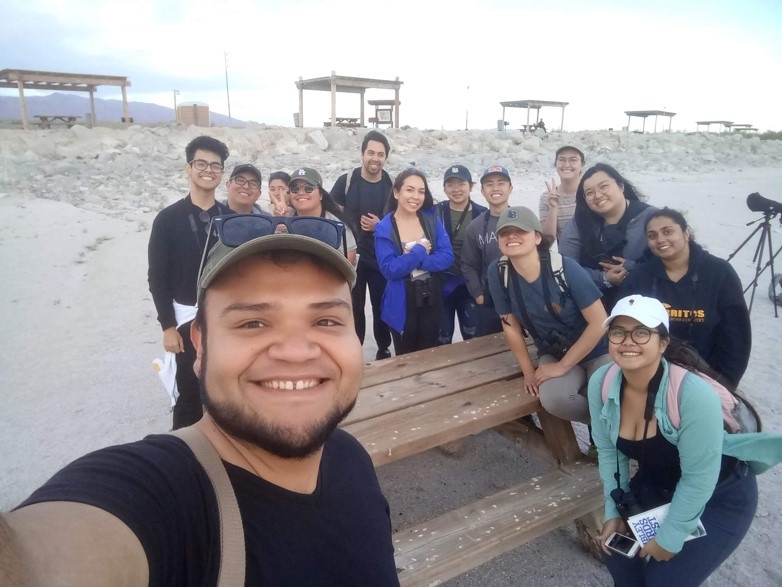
x,y
281,441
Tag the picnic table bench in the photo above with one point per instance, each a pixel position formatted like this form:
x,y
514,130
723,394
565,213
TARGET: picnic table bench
x,y
45,120
415,402
344,121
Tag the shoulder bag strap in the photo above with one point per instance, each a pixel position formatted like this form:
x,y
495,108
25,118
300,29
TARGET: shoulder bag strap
x,y
232,553
526,322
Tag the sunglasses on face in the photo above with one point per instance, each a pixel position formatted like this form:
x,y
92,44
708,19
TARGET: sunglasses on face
x,y
234,230
307,188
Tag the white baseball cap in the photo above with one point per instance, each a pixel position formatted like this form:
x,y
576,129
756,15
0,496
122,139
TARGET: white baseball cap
x,y
648,311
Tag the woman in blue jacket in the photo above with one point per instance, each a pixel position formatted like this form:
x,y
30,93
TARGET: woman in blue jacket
x,y
690,462
412,246
702,293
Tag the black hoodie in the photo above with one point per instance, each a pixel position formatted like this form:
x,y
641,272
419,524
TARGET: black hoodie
x,y
706,308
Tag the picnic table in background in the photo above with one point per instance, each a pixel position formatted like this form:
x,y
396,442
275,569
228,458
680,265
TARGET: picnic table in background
x,y
418,401
45,120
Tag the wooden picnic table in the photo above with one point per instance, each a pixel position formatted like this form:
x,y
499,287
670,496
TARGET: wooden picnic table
x,y
415,402
45,120
344,121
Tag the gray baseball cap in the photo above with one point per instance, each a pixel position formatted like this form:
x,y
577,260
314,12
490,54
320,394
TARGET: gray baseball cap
x,y
520,217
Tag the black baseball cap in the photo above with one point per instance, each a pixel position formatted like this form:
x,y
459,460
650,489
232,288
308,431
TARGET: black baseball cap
x,y
246,167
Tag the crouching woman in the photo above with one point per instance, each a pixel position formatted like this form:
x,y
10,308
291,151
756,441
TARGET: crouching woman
x,y
684,457
561,311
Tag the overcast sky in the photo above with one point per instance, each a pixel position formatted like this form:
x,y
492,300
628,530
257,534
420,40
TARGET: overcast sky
x,y
716,59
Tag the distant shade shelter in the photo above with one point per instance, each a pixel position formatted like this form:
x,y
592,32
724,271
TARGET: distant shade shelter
x,y
722,125
644,114
351,85
535,105
23,79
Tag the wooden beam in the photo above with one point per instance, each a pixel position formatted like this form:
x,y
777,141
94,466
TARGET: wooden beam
x,y
437,550
23,106
125,105
301,104
362,107
333,99
412,430
396,106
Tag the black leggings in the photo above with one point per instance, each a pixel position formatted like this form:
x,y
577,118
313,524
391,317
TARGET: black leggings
x,y
422,318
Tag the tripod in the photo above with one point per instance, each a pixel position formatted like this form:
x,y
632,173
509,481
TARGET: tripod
x,y
765,238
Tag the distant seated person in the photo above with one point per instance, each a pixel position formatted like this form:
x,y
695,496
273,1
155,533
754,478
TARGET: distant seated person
x,y
701,292
244,189
541,125
279,194
309,198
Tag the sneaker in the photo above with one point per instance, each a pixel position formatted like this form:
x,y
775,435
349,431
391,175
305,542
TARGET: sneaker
x,y
382,354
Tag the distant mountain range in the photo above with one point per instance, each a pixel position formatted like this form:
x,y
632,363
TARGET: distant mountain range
x,y
71,104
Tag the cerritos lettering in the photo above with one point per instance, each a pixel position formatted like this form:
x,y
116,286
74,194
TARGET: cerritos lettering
x,y
688,315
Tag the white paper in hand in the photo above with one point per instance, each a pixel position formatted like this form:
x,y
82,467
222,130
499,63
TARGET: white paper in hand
x,y
646,524
166,371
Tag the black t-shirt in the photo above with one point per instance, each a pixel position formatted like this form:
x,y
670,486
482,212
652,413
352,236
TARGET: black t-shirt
x,y
338,535
362,198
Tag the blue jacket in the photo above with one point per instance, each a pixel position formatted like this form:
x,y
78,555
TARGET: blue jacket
x,y
701,441
396,266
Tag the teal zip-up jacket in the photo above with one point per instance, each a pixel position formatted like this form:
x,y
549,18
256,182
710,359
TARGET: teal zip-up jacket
x,y
701,441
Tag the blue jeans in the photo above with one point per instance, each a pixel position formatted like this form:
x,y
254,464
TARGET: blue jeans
x,y
461,304
727,519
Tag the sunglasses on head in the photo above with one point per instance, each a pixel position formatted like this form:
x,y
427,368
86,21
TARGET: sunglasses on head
x,y
234,230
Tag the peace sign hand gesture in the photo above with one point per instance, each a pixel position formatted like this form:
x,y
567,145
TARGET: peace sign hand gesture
x,y
553,195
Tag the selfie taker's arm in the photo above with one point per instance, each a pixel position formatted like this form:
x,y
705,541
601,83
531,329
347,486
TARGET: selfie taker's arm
x,y
67,543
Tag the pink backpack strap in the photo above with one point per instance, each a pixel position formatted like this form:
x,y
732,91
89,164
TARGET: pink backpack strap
x,y
676,375
608,379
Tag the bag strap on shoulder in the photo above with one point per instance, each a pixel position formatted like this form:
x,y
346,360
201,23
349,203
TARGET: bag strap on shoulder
x,y
232,553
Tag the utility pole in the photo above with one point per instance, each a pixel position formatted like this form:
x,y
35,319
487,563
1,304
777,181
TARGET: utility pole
x,y
176,113
467,112
227,94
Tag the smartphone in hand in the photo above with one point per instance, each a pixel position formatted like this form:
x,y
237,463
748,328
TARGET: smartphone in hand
x,y
624,545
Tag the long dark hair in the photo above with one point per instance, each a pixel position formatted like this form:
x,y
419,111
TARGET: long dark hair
x,y
329,205
674,215
680,352
589,222
392,203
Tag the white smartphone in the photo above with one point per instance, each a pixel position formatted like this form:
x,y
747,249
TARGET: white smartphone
x,y
623,545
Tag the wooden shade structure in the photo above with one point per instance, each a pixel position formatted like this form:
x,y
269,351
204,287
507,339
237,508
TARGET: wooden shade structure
x,y
68,82
535,105
351,85
644,114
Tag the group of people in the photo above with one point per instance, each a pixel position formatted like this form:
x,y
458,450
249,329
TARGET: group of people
x,y
264,310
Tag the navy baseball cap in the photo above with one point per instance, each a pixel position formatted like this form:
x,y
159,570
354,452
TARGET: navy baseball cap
x,y
457,172
495,170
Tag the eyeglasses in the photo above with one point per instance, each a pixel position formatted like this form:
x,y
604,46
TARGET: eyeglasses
x,y
242,181
234,230
639,335
202,165
603,188
295,189
571,160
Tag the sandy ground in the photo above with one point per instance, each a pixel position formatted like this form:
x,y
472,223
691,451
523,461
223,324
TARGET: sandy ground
x,y
79,334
